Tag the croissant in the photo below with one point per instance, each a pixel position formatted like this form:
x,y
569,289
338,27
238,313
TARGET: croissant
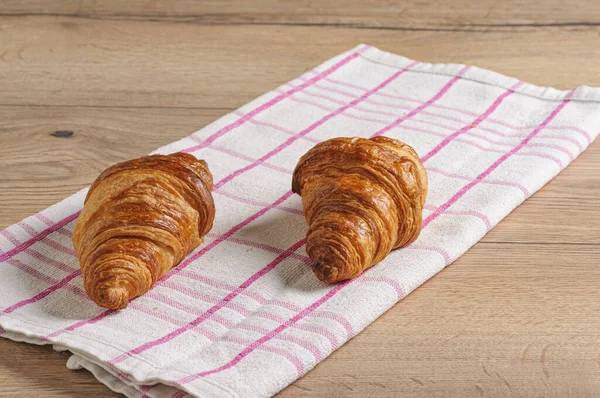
x,y
361,198
140,219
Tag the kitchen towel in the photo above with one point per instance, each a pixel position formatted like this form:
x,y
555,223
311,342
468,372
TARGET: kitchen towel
x,y
243,315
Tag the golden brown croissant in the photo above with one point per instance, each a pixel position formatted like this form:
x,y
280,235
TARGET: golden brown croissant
x,y
140,219
361,199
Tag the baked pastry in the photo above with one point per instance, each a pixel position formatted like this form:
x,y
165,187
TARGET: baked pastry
x,y
140,219
362,198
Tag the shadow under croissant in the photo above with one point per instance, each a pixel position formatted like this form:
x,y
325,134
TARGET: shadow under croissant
x,y
282,230
276,228
61,306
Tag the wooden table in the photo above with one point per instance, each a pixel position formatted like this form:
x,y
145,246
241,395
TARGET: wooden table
x,y
84,84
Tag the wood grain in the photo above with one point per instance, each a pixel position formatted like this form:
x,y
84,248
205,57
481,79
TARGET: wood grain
x,y
379,14
63,165
74,61
515,316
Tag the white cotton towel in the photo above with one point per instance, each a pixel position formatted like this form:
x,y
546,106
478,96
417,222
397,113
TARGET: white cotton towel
x,y
243,315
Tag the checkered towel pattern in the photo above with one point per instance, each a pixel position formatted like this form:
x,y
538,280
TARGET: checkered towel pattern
x,y
243,315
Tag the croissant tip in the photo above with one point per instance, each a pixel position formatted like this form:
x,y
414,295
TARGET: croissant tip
x,y
327,273
114,298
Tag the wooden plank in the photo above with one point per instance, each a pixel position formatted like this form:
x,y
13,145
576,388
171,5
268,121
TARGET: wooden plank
x,y
76,61
39,169
435,14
